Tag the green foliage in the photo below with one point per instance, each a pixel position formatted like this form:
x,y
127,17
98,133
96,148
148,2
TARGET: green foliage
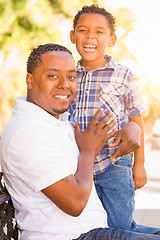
x,y
24,24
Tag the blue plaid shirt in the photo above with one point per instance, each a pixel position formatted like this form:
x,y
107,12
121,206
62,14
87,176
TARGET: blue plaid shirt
x,y
113,88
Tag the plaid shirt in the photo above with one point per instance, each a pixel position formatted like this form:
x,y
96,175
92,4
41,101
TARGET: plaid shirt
x,y
113,88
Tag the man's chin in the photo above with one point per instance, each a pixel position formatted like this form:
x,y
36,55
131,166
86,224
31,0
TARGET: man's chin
x,y
60,111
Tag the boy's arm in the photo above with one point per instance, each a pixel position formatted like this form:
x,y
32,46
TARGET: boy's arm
x,y
139,172
71,193
128,138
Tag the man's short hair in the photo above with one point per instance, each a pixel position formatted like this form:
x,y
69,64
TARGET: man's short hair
x,y
34,58
97,10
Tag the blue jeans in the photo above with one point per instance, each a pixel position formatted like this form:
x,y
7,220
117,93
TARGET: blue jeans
x,y
117,234
115,188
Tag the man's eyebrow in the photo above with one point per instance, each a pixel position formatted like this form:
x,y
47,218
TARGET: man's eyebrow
x,y
73,70
52,69
58,70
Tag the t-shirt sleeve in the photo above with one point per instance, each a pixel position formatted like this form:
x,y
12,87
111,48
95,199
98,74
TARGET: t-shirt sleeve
x,y
38,158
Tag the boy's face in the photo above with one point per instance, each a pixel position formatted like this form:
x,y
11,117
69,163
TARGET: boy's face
x,y
52,85
92,36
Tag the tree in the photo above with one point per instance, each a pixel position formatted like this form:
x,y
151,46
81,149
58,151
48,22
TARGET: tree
x,y
24,24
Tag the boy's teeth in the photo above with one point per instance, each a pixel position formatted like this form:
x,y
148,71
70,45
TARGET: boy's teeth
x,y
90,45
90,48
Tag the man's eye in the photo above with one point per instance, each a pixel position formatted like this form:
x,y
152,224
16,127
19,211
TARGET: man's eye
x,y
52,76
72,78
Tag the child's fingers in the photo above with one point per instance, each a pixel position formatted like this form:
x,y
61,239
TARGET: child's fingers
x,y
117,141
111,134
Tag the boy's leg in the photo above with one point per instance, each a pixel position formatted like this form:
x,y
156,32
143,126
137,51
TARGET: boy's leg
x,y
116,234
118,192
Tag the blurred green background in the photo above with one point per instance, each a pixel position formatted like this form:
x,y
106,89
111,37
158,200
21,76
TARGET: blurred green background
x,y
24,24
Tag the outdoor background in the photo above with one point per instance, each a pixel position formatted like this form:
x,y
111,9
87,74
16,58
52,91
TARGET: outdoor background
x,y
24,24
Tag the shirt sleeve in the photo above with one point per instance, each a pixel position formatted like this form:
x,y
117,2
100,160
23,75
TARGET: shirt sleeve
x,y
132,98
38,158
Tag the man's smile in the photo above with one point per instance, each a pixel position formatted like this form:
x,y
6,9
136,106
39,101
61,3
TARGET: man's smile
x,y
62,96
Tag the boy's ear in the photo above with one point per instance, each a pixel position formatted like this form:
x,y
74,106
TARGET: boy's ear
x,y
113,40
29,80
72,37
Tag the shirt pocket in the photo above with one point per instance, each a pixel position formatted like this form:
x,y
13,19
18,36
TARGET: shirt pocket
x,y
113,97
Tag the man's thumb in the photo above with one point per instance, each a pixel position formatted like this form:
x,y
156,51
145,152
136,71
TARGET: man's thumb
x,y
77,129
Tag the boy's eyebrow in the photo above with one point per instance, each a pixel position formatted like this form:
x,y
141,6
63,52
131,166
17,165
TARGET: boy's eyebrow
x,y
86,26
81,26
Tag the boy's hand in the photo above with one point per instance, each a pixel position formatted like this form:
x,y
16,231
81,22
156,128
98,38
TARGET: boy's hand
x,y
139,175
95,135
128,138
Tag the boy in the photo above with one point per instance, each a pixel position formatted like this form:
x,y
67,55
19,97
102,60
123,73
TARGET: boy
x,y
101,82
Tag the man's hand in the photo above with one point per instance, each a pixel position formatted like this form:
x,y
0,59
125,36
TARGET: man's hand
x,y
71,194
139,175
129,139
96,134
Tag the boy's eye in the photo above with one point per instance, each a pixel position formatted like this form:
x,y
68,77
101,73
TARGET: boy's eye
x,y
82,30
99,32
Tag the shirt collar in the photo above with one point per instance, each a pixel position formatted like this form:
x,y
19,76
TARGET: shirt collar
x,y
111,64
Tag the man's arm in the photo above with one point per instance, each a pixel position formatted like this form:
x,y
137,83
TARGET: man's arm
x,y
129,138
71,193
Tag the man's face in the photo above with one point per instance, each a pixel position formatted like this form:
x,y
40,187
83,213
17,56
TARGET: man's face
x,y
92,36
52,85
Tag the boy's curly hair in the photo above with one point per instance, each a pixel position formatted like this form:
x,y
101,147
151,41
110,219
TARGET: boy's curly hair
x,y
34,58
97,10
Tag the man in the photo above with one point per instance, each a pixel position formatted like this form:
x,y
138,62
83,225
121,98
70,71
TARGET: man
x,y
50,180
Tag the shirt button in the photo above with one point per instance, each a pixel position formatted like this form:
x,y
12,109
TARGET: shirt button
x,y
85,112
87,92
90,73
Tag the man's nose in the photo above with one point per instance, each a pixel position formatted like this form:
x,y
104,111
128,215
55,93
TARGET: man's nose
x,y
63,83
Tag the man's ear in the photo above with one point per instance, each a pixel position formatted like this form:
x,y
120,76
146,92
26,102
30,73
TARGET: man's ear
x,y
113,40
29,80
72,37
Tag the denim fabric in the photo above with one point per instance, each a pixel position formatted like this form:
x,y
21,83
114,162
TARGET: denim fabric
x,y
116,234
144,229
115,188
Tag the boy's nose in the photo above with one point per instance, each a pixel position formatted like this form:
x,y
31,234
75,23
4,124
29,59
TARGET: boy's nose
x,y
90,35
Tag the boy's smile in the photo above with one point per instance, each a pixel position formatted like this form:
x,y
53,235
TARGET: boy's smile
x,y
92,36
90,48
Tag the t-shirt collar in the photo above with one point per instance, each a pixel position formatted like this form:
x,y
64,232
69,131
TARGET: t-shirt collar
x,y
22,104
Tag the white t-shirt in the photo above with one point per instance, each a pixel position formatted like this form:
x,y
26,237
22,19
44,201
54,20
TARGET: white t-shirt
x,y
37,151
